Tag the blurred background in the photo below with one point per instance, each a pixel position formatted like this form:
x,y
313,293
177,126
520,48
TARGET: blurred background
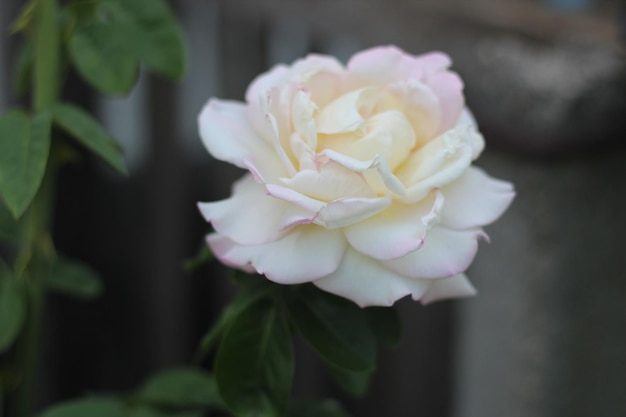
x,y
546,79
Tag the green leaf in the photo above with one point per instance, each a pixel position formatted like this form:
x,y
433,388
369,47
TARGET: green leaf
x,y
87,407
73,278
9,227
255,364
24,147
181,388
146,411
98,51
86,130
335,327
254,288
12,308
354,383
151,32
386,325
312,408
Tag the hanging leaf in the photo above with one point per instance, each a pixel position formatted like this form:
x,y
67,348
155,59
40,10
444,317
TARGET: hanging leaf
x,y
72,278
24,147
9,227
353,383
87,407
255,364
181,388
151,32
335,327
12,308
86,130
311,408
145,411
98,51
253,288
386,325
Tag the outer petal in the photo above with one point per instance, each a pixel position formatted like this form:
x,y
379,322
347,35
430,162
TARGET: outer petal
x,y
396,232
448,87
226,251
381,64
228,136
432,62
453,287
307,253
446,252
475,199
249,216
366,282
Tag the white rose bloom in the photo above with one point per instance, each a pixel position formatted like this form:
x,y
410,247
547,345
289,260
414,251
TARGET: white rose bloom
x,y
359,177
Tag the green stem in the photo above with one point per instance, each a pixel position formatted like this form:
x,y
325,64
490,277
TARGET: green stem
x,y
34,246
47,60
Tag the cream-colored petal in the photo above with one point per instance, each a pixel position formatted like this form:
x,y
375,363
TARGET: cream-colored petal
x,y
366,282
306,253
249,216
475,199
396,231
347,113
331,182
446,252
388,135
381,181
228,135
454,287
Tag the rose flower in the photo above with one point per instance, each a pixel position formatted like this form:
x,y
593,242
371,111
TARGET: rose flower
x,y
359,177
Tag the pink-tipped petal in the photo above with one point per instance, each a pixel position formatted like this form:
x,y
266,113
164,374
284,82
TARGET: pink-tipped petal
x,y
347,211
305,254
226,251
249,216
448,88
384,178
396,232
454,287
446,252
380,64
475,199
366,282
263,83
432,62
